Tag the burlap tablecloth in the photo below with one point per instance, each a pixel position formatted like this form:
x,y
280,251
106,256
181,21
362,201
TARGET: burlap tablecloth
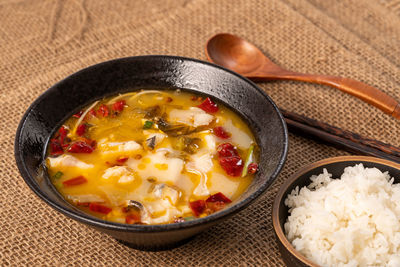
x,y
42,42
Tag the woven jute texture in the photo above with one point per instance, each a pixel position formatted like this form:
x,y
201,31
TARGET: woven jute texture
x,y
42,42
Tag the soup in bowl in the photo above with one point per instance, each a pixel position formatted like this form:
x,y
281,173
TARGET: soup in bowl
x,y
62,106
152,157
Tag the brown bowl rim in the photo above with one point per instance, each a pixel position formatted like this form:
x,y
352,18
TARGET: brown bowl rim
x,y
278,198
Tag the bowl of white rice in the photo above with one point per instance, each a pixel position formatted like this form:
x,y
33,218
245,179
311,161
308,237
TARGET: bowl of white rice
x,y
342,211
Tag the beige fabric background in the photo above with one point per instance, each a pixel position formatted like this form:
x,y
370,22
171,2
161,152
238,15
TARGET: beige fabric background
x,y
43,41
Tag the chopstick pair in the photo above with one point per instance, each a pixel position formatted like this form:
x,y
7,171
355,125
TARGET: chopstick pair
x,y
340,138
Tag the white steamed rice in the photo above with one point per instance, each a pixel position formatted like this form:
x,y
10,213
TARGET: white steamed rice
x,y
351,221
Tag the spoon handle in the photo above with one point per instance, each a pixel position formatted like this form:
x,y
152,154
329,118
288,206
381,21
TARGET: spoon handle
x,y
355,88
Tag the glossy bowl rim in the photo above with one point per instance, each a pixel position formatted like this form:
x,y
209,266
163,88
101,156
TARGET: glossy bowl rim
x,y
96,222
279,233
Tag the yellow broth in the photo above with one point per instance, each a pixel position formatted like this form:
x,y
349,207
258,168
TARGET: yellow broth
x,y
155,159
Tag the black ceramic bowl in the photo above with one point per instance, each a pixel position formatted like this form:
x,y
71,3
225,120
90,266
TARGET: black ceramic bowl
x,y
65,98
301,178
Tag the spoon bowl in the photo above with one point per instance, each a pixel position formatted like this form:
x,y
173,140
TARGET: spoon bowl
x,y
241,56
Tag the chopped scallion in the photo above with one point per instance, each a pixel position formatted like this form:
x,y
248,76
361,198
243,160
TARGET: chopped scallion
x,y
58,175
190,218
249,159
148,124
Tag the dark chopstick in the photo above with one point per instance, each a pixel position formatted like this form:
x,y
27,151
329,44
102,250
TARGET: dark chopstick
x,y
340,138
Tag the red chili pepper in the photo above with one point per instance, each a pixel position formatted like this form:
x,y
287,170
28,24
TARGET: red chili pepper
x,y
78,114
103,110
218,197
233,166
214,206
229,159
226,150
90,142
197,207
65,146
132,218
122,159
58,143
80,147
75,181
99,208
62,134
209,106
221,132
252,168
119,105
55,147
81,129
93,112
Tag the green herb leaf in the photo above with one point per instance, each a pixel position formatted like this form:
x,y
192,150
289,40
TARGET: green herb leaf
x,y
190,218
152,112
148,124
187,144
249,159
58,175
175,129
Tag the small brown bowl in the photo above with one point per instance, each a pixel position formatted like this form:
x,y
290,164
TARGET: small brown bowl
x,y
301,178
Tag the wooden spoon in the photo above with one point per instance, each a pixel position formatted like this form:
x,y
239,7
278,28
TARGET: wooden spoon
x,y
237,54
